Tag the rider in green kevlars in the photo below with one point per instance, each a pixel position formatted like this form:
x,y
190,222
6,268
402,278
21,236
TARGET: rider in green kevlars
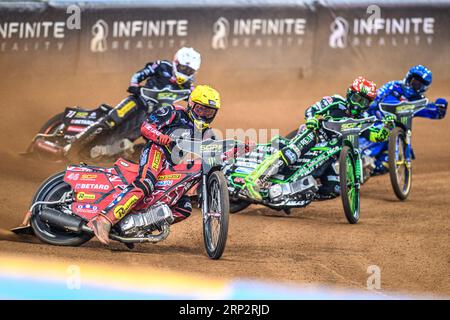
x,y
359,96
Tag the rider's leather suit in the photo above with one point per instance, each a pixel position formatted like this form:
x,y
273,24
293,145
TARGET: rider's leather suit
x,y
168,120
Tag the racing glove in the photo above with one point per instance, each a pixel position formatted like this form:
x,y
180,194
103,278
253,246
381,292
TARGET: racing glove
x,y
380,136
134,89
441,104
164,140
312,124
389,121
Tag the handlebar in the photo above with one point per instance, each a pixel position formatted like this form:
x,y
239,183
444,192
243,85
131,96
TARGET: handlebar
x,y
167,95
349,125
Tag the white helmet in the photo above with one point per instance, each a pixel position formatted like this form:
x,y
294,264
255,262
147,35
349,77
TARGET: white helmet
x,y
186,63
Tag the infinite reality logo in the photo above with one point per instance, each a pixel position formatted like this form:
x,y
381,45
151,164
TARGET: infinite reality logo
x,y
99,33
258,32
379,31
339,33
221,30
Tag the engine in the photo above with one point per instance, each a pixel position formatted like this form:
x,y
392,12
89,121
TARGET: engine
x,y
280,192
141,223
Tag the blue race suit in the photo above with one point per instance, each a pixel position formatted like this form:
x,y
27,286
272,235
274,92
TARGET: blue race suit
x,y
394,92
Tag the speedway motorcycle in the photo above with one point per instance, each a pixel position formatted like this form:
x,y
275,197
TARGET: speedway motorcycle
x,y
400,152
297,186
57,135
65,202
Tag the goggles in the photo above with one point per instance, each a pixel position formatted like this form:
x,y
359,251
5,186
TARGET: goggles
x,y
359,100
417,84
204,112
186,70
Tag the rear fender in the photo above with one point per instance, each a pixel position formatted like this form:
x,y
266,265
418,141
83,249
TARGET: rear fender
x,y
94,188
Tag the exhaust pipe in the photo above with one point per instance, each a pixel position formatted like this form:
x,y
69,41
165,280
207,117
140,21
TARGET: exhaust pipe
x,y
147,239
76,224
62,220
49,147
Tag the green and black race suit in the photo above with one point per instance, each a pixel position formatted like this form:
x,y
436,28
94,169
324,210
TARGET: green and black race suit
x,y
328,108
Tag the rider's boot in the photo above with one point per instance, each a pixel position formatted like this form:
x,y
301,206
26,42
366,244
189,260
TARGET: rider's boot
x,y
267,168
114,212
381,164
101,226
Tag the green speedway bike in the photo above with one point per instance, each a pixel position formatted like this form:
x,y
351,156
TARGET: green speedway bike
x,y
297,186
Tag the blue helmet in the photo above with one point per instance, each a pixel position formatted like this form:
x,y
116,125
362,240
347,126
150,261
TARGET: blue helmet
x,y
418,78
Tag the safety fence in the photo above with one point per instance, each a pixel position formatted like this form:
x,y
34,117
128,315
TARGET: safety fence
x,y
311,38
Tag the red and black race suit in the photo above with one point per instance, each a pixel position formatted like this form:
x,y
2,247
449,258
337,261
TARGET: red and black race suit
x,y
170,120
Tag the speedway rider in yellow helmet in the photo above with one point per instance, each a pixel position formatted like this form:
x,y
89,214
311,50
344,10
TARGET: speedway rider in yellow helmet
x,y
159,130
204,102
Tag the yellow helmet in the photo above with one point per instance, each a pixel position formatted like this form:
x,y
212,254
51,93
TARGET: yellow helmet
x,y
204,102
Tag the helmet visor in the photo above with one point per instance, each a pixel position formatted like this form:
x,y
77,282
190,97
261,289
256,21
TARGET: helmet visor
x,y
186,70
360,101
203,112
417,84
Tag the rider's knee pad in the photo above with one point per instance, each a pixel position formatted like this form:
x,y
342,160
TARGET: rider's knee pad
x,y
124,110
289,155
147,185
330,186
183,208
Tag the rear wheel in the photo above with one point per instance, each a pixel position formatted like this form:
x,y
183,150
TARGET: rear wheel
x,y
238,205
52,190
399,167
349,185
215,224
292,134
53,125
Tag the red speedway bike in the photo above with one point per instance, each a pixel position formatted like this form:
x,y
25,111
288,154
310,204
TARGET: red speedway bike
x,y
65,202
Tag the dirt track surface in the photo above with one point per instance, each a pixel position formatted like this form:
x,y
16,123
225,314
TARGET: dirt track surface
x,y
409,241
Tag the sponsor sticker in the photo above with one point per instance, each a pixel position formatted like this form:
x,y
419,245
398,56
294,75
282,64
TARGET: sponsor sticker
x,y
164,183
121,211
170,176
87,208
73,176
75,128
290,155
93,186
81,114
125,109
156,160
405,108
82,122
85,196
88,177
211,147
125,164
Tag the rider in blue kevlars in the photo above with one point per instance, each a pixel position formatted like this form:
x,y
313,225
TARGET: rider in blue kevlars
x,y
411,88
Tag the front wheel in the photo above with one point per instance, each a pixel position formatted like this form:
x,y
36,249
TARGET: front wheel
x,y
215,221
349,185
399,164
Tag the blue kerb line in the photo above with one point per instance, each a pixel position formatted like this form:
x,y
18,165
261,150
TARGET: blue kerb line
x,y
30,288
244,290
54,289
